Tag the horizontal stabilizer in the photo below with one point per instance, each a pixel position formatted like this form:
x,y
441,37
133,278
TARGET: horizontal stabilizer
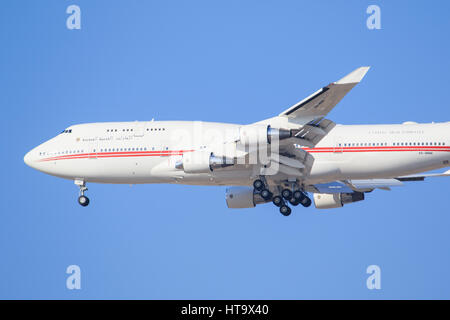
x,y
421,177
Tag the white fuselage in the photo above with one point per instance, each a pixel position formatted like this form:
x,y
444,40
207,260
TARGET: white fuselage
x,y
147,152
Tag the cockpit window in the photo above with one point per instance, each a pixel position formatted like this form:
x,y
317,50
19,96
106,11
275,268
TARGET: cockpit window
x,y
67,131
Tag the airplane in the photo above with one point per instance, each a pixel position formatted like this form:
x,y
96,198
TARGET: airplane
x,y
285,160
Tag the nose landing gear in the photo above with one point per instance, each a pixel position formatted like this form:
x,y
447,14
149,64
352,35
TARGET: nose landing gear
x,y
82,199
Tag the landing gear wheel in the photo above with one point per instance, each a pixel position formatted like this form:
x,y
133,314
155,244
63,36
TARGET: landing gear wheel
x,y
258,185
285,210
298,195
287,194
278,201
294,202
306,202
266,194
83,201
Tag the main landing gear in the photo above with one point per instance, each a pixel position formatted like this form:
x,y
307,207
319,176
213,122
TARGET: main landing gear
x,y
82,199
281,203
297,197
260,186
293,197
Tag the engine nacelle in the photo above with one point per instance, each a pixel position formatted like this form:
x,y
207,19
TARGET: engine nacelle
x,y
261,135
243,197
202,162
240,197
336,200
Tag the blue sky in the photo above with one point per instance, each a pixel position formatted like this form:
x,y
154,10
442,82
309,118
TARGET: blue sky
x,y
230,61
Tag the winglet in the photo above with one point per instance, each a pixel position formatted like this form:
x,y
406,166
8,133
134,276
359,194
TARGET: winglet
x,y
355,76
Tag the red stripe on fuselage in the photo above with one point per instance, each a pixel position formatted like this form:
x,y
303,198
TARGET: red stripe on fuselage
x,y
118,155
166,153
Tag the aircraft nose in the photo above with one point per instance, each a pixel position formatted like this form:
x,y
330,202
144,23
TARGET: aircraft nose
x,y
28,159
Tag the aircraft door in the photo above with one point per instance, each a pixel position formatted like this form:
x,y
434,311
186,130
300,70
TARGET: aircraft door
x,y
139,129
93,153
338,145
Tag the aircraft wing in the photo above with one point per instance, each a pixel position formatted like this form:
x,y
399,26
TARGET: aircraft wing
x,y
320,103
311,113
306,120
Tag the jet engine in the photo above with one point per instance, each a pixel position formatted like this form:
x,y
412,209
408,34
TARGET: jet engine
x,y
243,197
260,135
202,162
336,200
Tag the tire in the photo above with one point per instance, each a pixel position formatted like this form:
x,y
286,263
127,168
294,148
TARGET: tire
x,y
83,201
287,194
266,194
285,210
278,201
306,202
294,202
298,195
258,185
